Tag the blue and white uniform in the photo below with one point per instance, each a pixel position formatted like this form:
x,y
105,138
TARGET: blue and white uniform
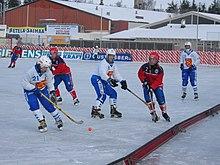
x,y
44,82
189,60
101,85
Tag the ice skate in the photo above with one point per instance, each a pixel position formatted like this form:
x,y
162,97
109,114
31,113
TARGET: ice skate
x,y
114,112
183,96
166,117
43,126
96,113
59,124
196,96
59,100
76,102
154,116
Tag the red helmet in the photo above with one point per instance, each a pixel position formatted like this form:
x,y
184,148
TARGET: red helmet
x,y
154,55
54,50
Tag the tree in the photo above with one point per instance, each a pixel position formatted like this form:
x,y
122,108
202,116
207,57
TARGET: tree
x,y
184,6
149,4
119,4
194,6
172,7
28,1
202,7
13,3
214,7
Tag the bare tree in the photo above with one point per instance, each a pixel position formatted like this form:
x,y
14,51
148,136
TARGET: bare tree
x,y
149,4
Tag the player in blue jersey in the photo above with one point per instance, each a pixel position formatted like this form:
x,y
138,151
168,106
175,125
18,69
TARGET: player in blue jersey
x,y
189,61
104,80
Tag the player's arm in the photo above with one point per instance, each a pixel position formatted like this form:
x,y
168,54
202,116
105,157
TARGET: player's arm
x,y
103,67
50,80
26,82
141,74
196,59
181,61
117,75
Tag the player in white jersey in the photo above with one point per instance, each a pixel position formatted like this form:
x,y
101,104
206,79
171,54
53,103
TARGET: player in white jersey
x,y
189,61
37,81
103,80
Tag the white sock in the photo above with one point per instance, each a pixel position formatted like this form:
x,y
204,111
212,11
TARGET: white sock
x,y
38,114
56,115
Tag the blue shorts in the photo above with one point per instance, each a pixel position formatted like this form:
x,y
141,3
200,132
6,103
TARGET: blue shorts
x,y
66,78
33,100
158,93
102,88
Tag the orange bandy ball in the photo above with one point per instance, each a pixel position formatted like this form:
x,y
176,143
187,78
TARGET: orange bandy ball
x,y
90,129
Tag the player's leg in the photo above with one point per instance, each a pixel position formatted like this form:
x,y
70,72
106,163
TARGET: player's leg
x,y
148,96
193,81
162,102
112,101
51,109
15,57
101,96
33,103
67,79
185,77
57,81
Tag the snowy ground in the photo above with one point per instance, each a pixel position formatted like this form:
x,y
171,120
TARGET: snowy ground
x,y
21,143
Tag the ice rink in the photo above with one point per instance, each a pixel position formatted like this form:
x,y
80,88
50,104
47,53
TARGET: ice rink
x,y
22,144
198,145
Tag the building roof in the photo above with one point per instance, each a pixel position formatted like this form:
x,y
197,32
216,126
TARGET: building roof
x,y
213,17
171,31
117,13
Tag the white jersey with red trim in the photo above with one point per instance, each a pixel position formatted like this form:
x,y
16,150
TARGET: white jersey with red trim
x,y
106,71
189,58
33,79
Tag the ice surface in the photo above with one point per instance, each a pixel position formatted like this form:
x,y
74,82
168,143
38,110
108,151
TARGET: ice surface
x,y
22,144
198,145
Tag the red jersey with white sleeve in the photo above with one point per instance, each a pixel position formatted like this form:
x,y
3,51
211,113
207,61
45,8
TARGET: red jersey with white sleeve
x,y
59,66
153,74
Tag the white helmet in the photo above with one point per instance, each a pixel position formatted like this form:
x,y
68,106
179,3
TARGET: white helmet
x,y
188,44
96,47
111,51
44,61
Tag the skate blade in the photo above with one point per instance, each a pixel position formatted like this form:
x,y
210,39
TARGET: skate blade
x,y
59,103
115,116
43,130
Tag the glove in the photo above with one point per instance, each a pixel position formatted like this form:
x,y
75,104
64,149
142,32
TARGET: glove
x,y
181,66
37,92
193,67
145,84
123,84
53,97
112,82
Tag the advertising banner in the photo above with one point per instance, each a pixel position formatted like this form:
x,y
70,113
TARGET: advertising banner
x,y
62,30
119,56
26,30
73,55
58,40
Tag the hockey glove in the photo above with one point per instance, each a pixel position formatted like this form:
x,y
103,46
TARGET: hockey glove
x,y
112,82
181,66
123,84
53,97
37,92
